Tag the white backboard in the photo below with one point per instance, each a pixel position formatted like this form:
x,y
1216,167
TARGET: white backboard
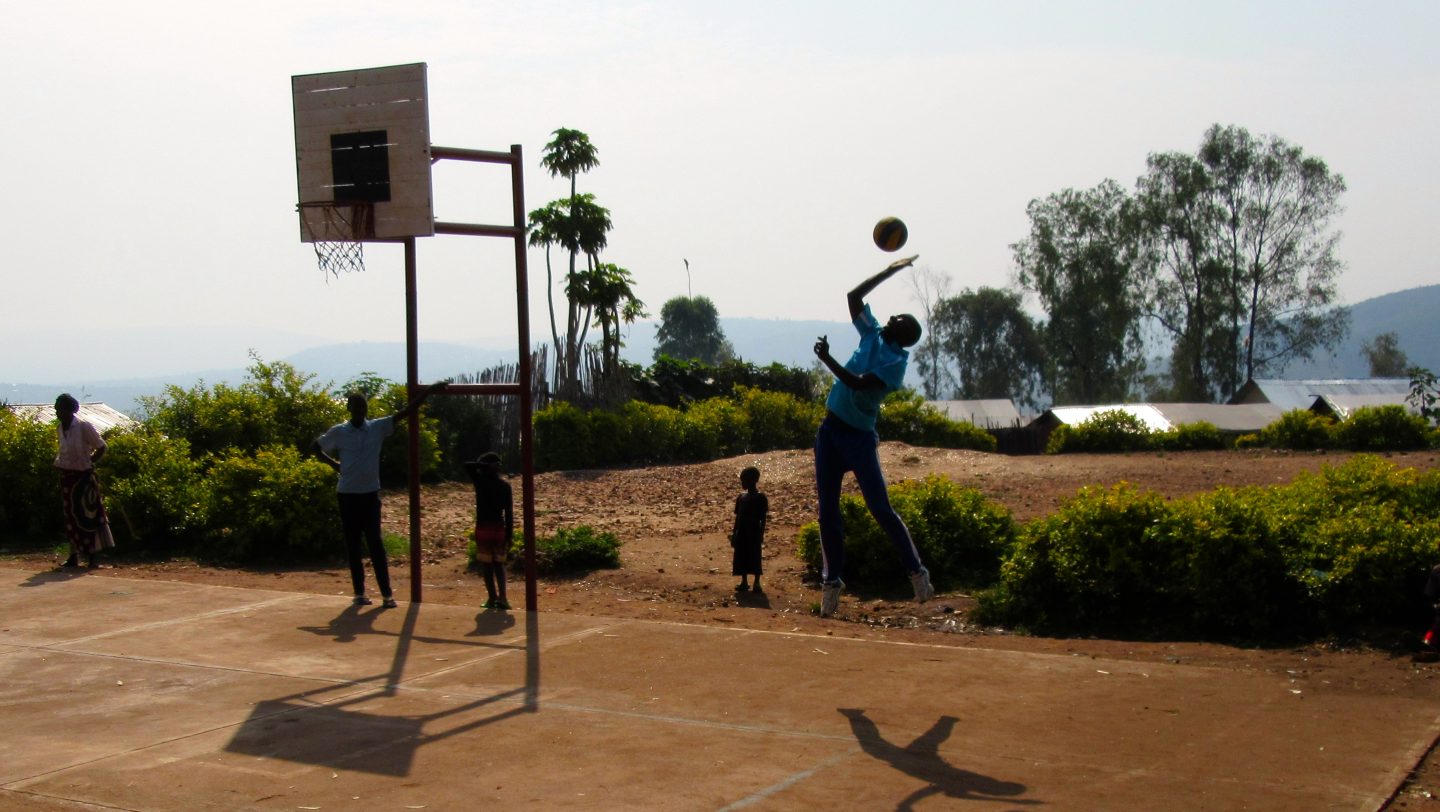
x,y
364,136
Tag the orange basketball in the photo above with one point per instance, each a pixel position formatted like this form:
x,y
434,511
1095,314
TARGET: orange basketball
x,y
891,234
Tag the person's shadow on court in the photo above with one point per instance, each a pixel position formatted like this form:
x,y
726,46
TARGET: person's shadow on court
x,y
347,625
492,622
921,759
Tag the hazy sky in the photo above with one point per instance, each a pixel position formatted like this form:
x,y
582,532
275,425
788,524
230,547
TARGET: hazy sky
x,y
150,145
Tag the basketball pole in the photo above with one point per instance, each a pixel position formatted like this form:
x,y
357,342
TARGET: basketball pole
x,y
412,389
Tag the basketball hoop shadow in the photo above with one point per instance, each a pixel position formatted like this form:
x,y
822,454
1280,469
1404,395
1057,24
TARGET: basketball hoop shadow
x,y
304,728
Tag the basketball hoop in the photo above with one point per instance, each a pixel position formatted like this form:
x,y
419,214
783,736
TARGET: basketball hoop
x,y
336,230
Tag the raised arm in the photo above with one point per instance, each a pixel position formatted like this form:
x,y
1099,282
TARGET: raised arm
x,y
857,296
419,399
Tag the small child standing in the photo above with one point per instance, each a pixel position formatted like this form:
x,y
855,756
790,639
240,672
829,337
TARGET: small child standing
x,y
751,511
494,525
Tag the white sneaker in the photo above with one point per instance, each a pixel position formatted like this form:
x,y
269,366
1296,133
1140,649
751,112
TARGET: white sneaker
x,y
921,581
830,597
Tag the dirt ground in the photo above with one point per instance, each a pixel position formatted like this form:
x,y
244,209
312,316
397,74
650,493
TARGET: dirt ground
x,y
676,561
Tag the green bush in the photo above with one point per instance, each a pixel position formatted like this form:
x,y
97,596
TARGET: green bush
x,y
778,420
651,432
711,429
562,437
275,405
1381,428
907,418
29,484
573,550
273,506
1332,551
1299,430
155,491
960,536
1234,579
1090,565
1104,432
1197,436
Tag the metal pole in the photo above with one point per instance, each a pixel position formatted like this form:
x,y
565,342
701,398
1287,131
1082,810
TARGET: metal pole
x,y
412,388
527,432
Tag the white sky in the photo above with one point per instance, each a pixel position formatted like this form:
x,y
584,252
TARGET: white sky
x,y
150,146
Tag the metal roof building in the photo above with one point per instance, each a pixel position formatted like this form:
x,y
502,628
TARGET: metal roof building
x,y
102,417
1291,395
987,414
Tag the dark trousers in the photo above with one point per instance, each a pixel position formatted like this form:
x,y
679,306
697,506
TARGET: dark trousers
x,y
839,448
360,516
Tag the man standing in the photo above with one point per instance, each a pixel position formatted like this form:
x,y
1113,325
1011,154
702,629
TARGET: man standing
x,y
357,443
847,440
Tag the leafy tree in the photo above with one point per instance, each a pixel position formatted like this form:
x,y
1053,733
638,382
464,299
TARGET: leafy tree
x,y
1386,358
991,344
1078,259
1238,254
604,291
690,330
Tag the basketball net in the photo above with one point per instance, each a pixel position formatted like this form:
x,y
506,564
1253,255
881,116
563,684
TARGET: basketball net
x,y
338,229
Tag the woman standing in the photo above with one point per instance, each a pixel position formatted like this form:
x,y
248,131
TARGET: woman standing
x,y
81,446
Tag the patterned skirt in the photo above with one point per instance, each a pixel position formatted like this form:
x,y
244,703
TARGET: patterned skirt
x,y
85,521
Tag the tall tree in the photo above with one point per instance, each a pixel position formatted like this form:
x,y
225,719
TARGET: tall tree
x,y
1239,257
1386,358
690,329
578,225
992,346
930,288
1079,260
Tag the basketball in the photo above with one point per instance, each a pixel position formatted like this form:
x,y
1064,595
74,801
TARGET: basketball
x,y
890,234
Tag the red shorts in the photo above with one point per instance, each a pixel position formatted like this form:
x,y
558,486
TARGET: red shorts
x,y
492,543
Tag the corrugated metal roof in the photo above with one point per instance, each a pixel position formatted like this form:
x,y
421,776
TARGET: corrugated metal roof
x,y
1243,417
102,417
990,413
1342,405
1301,394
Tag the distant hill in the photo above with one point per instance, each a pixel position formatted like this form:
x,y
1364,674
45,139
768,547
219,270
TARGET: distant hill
x,y
1412,315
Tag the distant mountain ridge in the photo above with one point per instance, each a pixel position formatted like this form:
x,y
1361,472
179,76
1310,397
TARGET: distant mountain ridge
x,y
1413,315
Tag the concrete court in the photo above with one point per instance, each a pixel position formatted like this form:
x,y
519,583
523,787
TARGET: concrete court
x,y
147,695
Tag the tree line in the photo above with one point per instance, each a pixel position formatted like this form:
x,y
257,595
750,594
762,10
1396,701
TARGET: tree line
x,y
1218,266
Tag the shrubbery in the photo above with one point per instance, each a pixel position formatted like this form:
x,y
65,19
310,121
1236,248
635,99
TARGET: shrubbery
x,y
1117,430
960,535
567,550
28,483
1331,551
748,421
1368,428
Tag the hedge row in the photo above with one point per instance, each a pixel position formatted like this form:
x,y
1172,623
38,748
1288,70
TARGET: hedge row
x,y
1369,428
1332,551
749,421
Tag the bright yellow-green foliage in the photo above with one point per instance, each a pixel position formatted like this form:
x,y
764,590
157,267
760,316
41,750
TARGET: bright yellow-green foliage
x,y
568,550
960,535
1347,546
29,487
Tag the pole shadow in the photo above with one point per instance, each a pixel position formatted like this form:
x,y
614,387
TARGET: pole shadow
x,y
921,759
305,728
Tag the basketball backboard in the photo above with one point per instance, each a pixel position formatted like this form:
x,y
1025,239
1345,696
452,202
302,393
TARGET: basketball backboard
x,y
362,140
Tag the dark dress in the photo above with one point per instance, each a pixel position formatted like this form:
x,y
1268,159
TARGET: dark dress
x,y
751,511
